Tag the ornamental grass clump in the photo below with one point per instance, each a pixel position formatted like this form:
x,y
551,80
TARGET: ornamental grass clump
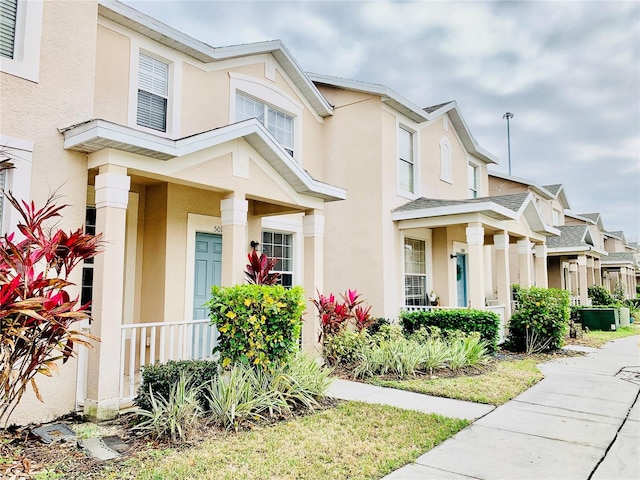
x,y
37,312
258,325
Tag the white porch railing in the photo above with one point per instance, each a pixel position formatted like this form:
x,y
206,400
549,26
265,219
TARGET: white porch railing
x,y
497,309
576,302
148,343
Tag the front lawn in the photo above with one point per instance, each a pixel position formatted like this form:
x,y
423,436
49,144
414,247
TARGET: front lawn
x,y
501,383
597,338
352,441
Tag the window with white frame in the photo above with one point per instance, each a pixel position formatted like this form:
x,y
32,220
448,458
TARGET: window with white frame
x,y
279,124
472,174
280,246
556,218
8,23
87,268
445,160
153,93
406,166
415,272
20,35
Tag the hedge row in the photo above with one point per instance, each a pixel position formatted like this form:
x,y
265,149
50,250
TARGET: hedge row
x,y
486,323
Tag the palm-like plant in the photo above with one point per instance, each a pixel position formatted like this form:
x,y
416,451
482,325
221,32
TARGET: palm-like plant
x,y
259,269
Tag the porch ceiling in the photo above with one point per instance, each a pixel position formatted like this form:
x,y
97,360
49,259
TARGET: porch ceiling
x,y
95,135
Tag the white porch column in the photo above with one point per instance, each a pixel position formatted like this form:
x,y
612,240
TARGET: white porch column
x,y
582,279
313,231
524,262
591,280
233,211
475,241
573,280
542,279
597,271
503,282
103,375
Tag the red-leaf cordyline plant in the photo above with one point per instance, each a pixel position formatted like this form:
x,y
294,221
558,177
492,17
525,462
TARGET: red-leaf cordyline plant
x,y
36,311
335,316
259,269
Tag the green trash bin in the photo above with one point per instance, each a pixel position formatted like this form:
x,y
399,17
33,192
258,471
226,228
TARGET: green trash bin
x,y
600,318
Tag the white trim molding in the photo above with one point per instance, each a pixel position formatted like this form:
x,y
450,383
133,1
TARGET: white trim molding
x,y
28,35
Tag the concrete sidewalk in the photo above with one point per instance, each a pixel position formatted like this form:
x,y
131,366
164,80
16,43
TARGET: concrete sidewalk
x,y
581,422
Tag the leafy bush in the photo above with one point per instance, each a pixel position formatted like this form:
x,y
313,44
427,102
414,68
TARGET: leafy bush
x,y
305,381
160,378
376,324
342,348
175,416
37,312
259,269
467,351
257,324
600,295
541,321
487,324
336,316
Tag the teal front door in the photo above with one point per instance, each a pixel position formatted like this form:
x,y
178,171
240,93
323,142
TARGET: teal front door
x,y
208,270
461,279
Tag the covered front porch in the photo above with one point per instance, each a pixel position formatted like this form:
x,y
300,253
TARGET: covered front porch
x,y
178,217
477,249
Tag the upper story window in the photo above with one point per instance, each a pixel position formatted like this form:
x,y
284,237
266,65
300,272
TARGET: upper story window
x,y
556,217
20,35
472,172
153,88
8,17
406,166
279,124
445,160
280,246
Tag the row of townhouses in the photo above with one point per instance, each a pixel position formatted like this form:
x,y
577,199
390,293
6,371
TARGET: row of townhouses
x,y
183,154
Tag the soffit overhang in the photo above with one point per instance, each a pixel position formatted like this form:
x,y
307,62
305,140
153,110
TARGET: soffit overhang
x,y
96,135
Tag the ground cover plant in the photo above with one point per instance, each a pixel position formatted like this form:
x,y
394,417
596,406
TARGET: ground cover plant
x,y
37,312
392,352
597,338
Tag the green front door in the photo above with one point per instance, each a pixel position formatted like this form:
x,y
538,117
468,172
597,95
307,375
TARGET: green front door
x,y
208,269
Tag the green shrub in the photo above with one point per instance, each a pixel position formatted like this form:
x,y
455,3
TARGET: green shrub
x,y
159,378
541,321
377,323
600,295
468,351
305,381
257,324
486,323
175,416
342,348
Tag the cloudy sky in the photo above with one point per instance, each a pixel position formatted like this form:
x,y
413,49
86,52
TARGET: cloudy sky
x,y
569,72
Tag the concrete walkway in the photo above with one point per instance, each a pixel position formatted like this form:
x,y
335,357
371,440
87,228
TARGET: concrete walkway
x,y
581,422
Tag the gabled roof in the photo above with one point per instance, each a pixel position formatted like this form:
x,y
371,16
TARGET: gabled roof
x,y
548,191
573,238
619,234
580,217
411,110
172,38
529,183
96,135
500,207
595,217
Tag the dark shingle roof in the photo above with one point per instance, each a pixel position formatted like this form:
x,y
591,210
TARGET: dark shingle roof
x,y
513,202
590,216
619,257
618,234
553,188
570,236
433,108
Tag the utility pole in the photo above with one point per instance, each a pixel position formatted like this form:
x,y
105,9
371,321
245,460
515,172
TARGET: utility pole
x,y
508,115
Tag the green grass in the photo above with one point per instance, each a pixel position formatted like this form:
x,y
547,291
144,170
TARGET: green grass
x,y
352,441
504,382
597,338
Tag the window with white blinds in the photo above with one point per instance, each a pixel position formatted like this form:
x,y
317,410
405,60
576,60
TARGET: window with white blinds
x,y
153,88
279,124
8,15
